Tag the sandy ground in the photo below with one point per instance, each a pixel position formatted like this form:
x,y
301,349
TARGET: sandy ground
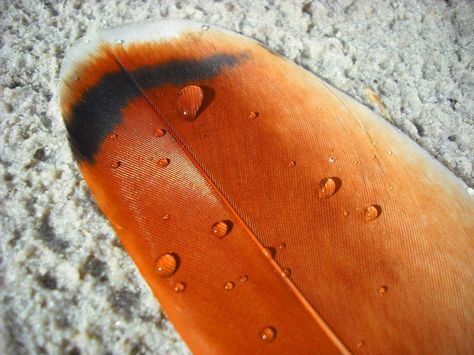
x,y
66,284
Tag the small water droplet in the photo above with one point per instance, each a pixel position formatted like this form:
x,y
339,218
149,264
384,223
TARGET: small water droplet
x,y
204,27
179,287
76,78
374,143
328,187
356,162
390,188
229,285
116,164
164,162
189,101
389,152
332,160
253,115
346,213
371,212
221,229
269,252
331,150
267,334
118,41
113,136
243,278
282,246
470,191
360,344
374,156
166,265
292,164
382,290
286,272
159,132
166,216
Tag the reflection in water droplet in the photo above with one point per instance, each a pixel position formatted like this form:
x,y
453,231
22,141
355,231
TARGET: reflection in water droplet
x,y
269,252
164,162
229,285
166,216
360,344
292,164
166,265
189,101
253,115
221,229
327,187
179,287
113,136
346,213
382,290
116,164
267,334
244,278
286,272
332,160
372,212
159,132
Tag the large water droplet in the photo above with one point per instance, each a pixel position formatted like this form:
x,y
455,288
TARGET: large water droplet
x,y
221,229
159,132
179,287
166,265
189,101
328,187
372,212
267,334
228,285
164,162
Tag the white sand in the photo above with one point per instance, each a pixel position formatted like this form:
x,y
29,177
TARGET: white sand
x,y
66,285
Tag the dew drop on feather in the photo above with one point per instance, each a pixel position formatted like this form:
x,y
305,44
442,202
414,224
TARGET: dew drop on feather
x,y
179,287
189,101
166,265
228,285
371,212
164,162
221,229
267,334
327,187
159,132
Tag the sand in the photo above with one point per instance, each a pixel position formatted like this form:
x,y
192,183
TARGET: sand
x,y
66,284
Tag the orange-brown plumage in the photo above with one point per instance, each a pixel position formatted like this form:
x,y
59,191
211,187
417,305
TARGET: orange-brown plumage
x,y
382,263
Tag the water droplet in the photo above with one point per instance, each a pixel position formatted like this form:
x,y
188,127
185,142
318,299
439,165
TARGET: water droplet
x,y
269,252
118,41
374,156
470,191
166,216
292,164
204,27
282,246
332,160
372,212
390,188
360,344
382,290
243,278
189,101
374,143
331,150
389,152
166,265
179,287
221,229
116,164
356,162
346,213
76,78
159,132
286,272
229,285
328,187
113,136
267,334
164,162
253,115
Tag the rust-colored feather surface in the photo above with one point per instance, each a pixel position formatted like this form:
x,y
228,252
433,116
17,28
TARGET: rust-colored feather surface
x,y
268,212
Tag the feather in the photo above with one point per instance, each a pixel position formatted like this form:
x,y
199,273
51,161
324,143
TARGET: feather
x,y
268,211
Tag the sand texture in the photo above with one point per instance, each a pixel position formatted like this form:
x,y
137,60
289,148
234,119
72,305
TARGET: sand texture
x,y
66,284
